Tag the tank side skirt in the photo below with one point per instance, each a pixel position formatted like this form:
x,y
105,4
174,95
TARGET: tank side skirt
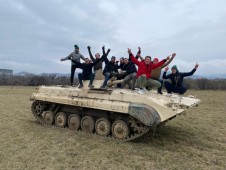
x,y
146,114
100,104
136,135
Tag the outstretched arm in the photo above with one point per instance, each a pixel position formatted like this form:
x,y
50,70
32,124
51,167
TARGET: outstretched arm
x,y
104,57
108,51
164,76
191,72
133,59
82,57
159,64
96,61
169,61
138,53
66,58
90,54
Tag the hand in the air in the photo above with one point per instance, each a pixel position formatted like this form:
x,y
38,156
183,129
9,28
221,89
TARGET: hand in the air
x,y
139,48
129,50
103,48
196,65
88,47
168,57
174,55
108,51
166,69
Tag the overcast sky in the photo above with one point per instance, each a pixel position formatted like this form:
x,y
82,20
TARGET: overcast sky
x,y
35,34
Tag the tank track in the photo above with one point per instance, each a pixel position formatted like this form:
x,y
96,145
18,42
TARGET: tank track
x,y
38,107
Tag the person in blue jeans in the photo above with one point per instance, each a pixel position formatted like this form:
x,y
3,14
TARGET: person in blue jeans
x,y
176,78
110,68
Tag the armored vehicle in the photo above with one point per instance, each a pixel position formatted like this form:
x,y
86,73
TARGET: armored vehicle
x,y
121,114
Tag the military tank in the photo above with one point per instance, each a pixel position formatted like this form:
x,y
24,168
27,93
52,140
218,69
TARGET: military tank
x,y
121,114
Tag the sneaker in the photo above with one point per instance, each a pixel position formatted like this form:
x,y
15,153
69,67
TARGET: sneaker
x,y
91,86
80,86
140,91
102,87
144,89
159,92
169,95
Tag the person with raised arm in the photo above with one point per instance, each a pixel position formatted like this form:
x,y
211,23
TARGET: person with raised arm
x,y
144,72
74,56
176,77
87,67
98,65
130,69
138,56
157,72
110,68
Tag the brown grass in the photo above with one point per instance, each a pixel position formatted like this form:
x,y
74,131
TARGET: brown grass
x,y
196,140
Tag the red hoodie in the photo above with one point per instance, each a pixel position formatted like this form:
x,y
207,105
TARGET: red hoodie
x,y
145,69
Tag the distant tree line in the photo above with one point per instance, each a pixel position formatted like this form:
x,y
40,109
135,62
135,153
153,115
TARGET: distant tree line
x,y
205,84
35,80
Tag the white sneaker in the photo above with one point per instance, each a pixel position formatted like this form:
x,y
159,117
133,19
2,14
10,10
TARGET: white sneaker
x,y
169,95
144,89
140,91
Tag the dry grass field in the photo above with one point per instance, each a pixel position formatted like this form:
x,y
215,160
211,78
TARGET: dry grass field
x,y
196,140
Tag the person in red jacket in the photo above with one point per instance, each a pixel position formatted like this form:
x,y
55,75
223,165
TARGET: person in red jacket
x,y
144,71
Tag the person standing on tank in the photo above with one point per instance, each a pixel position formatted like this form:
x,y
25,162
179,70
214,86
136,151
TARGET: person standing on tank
x,y
87,67
74,56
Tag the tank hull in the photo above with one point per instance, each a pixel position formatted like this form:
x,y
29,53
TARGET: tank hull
x,y
139,112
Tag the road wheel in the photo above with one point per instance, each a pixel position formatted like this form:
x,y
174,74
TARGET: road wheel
x,y
120,129
60,119
48,117
74,121
87,124
103,127
37,108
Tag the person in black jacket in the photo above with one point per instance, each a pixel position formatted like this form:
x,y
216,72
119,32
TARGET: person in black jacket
x,y
176,78
87,67
98,66
110,68
131,70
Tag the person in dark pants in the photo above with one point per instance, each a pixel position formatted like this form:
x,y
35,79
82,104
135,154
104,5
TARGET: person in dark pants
x,y
74,56
87,73
176,78
110,68
130,70
87,67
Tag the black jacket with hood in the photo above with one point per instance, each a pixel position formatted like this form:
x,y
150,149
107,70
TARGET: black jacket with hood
x,y
177,78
